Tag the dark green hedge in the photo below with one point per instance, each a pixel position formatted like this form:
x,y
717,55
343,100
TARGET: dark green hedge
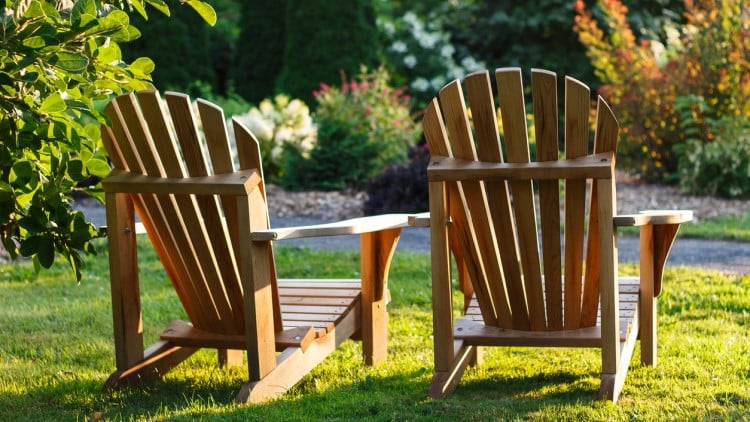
x,y
259,54
323,38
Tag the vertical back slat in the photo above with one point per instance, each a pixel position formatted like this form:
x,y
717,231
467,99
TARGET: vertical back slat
x,y
484,116
577,103
607,131
513,114
544,93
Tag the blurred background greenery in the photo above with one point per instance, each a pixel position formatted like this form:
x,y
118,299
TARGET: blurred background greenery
x,y
675,72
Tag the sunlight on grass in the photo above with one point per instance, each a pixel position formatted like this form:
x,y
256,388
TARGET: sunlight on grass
x,y
731,228
56,352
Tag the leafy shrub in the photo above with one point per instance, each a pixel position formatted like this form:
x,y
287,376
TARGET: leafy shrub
x,y
283,127
401,187
58,65
719,168
363,126
708,57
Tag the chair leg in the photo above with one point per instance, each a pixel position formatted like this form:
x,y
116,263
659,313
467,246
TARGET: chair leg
x,y
612,383
230,357
647,305
445,382
376,254
124,283
157,360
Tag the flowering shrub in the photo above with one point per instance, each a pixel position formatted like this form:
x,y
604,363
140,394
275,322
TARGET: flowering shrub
x,y
644,80
363,125
283,127
422,54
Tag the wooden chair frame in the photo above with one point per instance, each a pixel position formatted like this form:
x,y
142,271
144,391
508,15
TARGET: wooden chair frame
x,y
211,232
482,212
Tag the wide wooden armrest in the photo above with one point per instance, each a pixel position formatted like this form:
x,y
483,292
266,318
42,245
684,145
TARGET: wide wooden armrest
x,y
236,183
420,220
654,217
341,228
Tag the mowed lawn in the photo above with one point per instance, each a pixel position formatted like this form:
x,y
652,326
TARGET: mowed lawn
x,y
56,351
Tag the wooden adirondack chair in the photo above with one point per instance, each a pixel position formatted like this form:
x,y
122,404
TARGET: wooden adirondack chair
x,y
209,225
483,200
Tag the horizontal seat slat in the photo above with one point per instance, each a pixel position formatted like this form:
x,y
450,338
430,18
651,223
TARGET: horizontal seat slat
x,y
319,284
315,301
321,309
286,316
319,326
350,293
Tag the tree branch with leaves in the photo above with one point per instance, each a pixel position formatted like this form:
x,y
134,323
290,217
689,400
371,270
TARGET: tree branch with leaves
x,y
59,63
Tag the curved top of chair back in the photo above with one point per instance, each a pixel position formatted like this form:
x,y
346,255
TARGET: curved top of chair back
x,y
194,236
495,227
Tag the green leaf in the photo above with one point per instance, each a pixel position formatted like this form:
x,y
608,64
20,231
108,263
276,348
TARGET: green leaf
x,y
111,23
138,6
30,245
109,54
11,247
97,167
204,10
75,170
21,173
6,190
35,42
29,77
46,252
83,7
52,104
76,263
159,5
142,66
33,9
72,62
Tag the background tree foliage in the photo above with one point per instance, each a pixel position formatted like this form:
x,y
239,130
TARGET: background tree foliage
x,y
324,38
259,56
57,61
691,85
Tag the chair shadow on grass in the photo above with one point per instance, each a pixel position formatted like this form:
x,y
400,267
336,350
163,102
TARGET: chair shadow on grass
x,y
367,395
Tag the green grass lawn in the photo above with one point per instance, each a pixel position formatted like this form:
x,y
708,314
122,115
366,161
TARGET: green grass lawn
x,y
730,228
56,351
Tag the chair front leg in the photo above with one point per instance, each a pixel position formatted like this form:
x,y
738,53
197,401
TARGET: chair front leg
x,y
647,305
377,249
